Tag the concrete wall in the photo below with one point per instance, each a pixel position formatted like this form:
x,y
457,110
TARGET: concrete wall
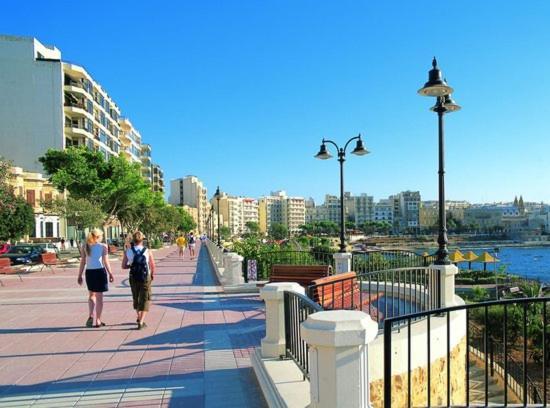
x,y
31,101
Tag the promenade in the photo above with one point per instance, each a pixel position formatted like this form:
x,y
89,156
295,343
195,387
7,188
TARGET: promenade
x,y
194,352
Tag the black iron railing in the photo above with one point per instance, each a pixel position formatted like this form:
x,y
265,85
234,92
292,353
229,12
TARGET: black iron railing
x,y
372,261
382,294
472,370
265,260
297,309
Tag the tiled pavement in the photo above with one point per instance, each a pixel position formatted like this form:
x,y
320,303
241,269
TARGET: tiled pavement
x,y
195,352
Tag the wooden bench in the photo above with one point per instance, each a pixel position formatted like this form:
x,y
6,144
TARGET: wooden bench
x,y
342,291
302,274
7,269
48,260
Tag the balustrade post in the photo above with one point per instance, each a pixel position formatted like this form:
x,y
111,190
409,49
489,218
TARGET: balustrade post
x,y
274,342
338,357
446,281
342,262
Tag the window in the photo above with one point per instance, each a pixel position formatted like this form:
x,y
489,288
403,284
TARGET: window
x,y
49,229
48,197
31,199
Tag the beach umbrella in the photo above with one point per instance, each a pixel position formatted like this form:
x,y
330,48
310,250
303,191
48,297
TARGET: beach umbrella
x,y
486,258
469,257
456,257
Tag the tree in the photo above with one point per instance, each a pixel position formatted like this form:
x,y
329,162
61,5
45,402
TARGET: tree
x,y
252,227
225,232
278,231
79,212
186,221
16,216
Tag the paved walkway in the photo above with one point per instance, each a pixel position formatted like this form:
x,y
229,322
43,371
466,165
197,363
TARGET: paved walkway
x,y
195,352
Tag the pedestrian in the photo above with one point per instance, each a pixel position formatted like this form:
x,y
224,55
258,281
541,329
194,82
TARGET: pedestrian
x,y
180,242
142,272
94,258
62,243
128,241
191,241
71,241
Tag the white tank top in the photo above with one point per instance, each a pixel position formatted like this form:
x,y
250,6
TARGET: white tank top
x,y
95,259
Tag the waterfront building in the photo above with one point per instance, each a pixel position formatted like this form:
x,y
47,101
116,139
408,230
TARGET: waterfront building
x,y
278,208
190,191
36,189
384,211
360,209
157,184
250,211
47,103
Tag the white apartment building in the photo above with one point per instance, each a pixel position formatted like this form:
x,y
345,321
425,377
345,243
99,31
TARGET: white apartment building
x,y
250,211
278,208
190,191
46,103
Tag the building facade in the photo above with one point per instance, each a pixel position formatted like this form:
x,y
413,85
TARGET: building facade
x,y
47,103
36,190
190,191
278,208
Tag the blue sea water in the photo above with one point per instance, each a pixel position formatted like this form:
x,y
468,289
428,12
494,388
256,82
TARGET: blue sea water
x,y
529,262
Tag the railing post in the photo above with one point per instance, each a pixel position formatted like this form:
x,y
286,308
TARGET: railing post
x,y
338,357
446,283
342,262
233,268
273,344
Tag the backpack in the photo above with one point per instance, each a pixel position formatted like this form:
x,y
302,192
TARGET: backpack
x,y
139,268
192,240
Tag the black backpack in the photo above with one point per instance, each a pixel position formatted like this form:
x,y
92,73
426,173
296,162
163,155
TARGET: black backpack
x,y
139,268
192,239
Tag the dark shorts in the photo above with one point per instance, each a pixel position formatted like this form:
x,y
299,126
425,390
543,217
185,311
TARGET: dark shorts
x,y
96,280
141,294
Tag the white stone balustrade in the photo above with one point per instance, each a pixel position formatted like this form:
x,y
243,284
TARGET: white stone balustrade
x,y
447,276
342,262
338,357
273,344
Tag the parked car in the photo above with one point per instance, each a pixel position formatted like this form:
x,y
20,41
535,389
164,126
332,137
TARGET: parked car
x,y
23,254
4,248
47,247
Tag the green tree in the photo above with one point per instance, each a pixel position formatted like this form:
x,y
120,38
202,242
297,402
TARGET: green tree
x,y
79,212
278,231
225,232
16,216
252,227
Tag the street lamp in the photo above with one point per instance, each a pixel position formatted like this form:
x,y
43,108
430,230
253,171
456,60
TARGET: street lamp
x,y
217,195
211,222
324,155
438,88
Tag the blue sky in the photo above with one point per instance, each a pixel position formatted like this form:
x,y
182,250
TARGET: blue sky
x,y
240,93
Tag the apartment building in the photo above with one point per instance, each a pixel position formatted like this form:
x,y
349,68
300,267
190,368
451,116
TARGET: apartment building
x,y
158,178
409,206
360,209
384,211
47,103
278,208
36,189
190,191
250,211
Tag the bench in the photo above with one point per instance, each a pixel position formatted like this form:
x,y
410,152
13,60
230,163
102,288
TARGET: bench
x,y
48,260
7,269
302,274
342,291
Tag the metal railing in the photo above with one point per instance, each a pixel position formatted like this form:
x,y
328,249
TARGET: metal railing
x,y
265,260
372,261
297,308
520,326
382,294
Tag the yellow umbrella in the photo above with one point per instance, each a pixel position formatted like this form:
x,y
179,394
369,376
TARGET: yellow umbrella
x,y
470,257
456,257
486,258
459,253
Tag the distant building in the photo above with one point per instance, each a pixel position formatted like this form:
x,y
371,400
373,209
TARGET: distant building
x,y
278,208
190,191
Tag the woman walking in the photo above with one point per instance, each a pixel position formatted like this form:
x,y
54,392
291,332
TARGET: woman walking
x,y
142,271
94,258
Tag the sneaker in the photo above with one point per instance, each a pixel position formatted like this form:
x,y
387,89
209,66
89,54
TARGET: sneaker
x,y
90,322
142,325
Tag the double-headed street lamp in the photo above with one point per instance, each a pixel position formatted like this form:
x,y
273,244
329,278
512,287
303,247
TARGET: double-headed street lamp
x,y
217,195
438,88
324,155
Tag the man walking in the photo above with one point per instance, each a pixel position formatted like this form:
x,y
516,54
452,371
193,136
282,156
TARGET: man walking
x,y
180,242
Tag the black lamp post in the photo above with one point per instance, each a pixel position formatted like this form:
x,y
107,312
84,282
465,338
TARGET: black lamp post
x,y
324,155
218,200
438,88
211,222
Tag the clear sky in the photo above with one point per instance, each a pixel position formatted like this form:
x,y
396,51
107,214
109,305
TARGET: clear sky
x,y
240,93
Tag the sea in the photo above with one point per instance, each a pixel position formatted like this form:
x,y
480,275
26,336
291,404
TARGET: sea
x,y
528,262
